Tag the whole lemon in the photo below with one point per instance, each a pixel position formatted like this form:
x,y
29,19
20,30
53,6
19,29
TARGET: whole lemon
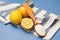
x,y
23,11
15,17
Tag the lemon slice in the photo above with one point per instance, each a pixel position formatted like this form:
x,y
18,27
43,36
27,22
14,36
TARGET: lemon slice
x,y
27,23
15,17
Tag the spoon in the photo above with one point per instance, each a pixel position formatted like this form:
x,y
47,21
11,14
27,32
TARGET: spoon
x,y
39,29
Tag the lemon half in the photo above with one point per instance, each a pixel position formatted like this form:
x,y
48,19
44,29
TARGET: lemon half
x,y
27,23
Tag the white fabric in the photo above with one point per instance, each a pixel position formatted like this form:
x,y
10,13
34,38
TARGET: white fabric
x,y
4,8
52,31
3,20
10,6
40,16
50,20
35,9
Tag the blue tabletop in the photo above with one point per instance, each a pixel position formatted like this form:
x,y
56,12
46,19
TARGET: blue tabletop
x,y
10,32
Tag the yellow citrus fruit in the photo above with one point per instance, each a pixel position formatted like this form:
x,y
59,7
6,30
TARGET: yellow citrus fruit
x,y
15,17
23,11
27,23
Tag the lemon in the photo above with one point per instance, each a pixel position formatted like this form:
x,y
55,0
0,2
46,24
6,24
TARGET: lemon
x,y
23,11
27,23
15,17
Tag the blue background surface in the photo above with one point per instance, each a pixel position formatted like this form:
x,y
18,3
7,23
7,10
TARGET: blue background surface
x,y
10,32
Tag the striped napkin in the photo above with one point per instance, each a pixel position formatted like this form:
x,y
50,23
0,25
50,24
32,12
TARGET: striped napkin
x,y
42,16
5,9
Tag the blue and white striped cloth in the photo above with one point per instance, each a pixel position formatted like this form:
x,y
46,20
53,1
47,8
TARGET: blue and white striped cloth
x,y
5,9
42,16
